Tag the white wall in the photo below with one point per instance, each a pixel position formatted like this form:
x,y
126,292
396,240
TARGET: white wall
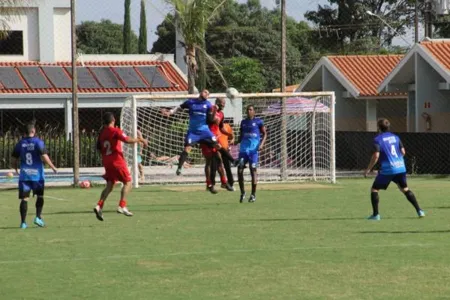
x,y
26,21
62,30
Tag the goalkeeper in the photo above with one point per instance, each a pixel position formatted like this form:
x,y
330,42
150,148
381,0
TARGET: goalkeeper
x,y
200,115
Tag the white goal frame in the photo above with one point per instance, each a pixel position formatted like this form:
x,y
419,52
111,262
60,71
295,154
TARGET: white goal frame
x,y
141,100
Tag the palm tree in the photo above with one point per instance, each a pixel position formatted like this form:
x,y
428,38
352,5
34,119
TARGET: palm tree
x,y
8,9
193,18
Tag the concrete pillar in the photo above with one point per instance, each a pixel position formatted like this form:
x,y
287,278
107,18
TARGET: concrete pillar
x,y
371,115
68,118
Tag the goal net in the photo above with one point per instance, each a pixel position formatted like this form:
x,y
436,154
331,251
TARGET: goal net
x,y
299,146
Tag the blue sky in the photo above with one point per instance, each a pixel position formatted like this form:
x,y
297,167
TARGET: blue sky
x,y
157,9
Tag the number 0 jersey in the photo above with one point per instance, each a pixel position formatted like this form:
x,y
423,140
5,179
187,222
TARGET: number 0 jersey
x,y
109,143
29,150
391,157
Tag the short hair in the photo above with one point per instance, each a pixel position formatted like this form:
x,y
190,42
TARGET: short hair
x,y
384,125
108,117
29,127
248,106
220,99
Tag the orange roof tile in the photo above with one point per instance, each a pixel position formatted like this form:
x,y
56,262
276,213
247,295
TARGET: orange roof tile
x,y
440,49
165,68
366,72
289,88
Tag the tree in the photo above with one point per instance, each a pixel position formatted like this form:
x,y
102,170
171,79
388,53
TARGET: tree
x,y
8,8
102,37
194,17
127,28
244,74
143,30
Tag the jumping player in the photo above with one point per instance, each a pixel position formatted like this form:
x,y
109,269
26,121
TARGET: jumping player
x,y
31,153
109,144
390,151
251,139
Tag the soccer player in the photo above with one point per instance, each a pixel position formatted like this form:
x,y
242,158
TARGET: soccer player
x,y
251,139
200,115
109,143
140,149
30,152
390,151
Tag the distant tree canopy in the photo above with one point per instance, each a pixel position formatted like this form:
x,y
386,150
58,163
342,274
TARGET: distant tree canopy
x,y
104,37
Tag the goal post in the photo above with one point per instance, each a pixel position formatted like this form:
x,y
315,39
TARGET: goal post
x,y
306,152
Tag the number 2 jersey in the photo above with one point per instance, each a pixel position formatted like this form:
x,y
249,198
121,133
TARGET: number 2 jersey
x,y
29,151
110,145
391,157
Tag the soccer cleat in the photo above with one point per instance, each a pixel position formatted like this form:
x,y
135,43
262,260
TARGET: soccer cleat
x,y
252,198
23,225
227,186
39,222
374,218
212,189
179,171
421,214
242,198
98,213
124,211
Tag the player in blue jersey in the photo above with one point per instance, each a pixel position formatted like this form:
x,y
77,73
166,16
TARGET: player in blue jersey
x,y
201,114
252,138
390,151
31,154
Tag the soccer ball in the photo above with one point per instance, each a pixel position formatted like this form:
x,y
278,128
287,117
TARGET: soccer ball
x,y
10,175
232,93
85,184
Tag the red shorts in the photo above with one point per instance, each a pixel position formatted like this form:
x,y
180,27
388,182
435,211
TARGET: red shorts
x,y
207,151
117,172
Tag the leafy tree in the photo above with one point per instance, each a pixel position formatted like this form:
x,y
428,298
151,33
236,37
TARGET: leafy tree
x,y
102,37
143,30
166,36
244,74
7,10
127,28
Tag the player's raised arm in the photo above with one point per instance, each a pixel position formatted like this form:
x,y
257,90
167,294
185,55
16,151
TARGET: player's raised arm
x,y
170,112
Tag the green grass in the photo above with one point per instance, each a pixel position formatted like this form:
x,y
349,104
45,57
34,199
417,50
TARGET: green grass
x,y
307,243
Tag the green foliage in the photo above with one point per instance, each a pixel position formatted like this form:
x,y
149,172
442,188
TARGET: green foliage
x,y
244,74
166,36
143,30
7,15
127,28
104,37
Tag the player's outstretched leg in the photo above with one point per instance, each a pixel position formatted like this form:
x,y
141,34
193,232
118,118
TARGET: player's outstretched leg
x,y
374,199
218,160
122,208
39,206
98,209
241,183
183,157
254,174
412,199
23,208
209,185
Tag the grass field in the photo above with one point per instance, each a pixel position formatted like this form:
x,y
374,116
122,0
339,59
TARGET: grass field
x,y
296,242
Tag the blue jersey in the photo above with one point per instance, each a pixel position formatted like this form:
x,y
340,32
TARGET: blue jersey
x,y
198,113
251,134
29,151
391,157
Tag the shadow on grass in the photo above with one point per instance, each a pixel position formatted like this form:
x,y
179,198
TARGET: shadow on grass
x,y
404,232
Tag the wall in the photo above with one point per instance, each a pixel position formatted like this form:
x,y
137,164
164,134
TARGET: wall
x,y
395,111
61,29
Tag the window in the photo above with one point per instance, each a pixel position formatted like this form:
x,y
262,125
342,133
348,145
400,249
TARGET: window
x,y
12,44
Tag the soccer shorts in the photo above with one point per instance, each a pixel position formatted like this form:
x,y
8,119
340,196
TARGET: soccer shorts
x,y
382,181
197,137
207,151
251,157
117,172
26,186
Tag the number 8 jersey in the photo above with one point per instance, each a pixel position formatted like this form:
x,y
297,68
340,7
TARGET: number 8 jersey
x,y
391,157
29,150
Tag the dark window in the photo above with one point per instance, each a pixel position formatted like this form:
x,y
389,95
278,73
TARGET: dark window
x,y
12,44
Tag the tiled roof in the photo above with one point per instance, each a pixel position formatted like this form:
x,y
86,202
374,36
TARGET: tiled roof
x,y
440,49
366,72
166,71
289,88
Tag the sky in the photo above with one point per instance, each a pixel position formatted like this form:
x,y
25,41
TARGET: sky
x,y
89,10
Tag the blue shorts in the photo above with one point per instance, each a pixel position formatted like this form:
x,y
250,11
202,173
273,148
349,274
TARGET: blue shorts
x,y
251,157
26,186
203,137
382,181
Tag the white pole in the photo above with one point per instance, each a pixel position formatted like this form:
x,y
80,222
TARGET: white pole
x,y
333,139
313,141
135,146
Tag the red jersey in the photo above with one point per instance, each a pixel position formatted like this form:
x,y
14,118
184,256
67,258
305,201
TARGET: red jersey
x,y
215,129
109,144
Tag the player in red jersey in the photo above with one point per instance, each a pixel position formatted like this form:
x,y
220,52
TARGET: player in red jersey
x,y
109,144
214,158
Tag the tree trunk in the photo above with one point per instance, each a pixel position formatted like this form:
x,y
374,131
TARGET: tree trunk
x,y
191,62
